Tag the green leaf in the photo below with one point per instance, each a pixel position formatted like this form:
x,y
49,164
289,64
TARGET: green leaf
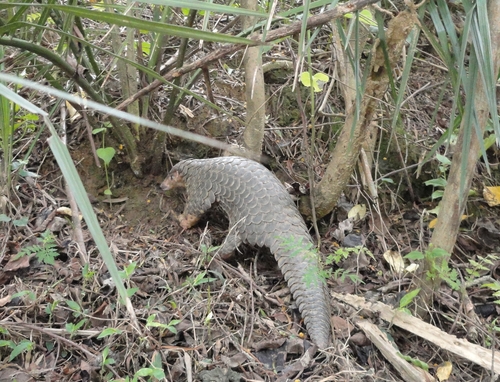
x,y
109,332
131,291
23,222
408,298
23,293
438,182
306,79
414,255
31,117
158,373
152,26
25,173
405,310
443,159
365,16
144,372
317,81
146,48
437,194
438,252
73,305
71,328
489,141
99,130
4,218
387,180
46,257
23,346
105,352
206,6
321,77
106,154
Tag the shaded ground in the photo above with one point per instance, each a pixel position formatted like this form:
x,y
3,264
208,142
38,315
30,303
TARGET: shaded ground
x,y
235,318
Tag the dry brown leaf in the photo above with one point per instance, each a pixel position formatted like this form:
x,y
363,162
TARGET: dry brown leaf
x,y
341,327
395,261
5,300
15,264
13,374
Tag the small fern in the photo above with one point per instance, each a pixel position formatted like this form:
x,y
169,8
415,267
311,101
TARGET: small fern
x,y
45,251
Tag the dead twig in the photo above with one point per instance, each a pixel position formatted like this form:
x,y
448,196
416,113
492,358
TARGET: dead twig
x,y
481,356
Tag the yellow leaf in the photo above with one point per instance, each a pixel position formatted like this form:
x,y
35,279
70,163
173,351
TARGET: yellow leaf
x,y
305,78
357,212
492,195
432,223
365,17
443,371
321,77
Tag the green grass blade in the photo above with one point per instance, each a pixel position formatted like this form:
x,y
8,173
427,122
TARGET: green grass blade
x,y
68,169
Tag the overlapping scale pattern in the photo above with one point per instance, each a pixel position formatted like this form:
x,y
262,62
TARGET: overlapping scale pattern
x,y
262,213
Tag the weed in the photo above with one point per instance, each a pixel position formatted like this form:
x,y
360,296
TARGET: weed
x,y
437,260
73,328
439,268
106,360
109,332
51,308
46,250
477,268
126,274
87,273
21,347
106,154
77,310
342,254
154,324
407,299
154,372
198,280
316,81
495,287
208,253
440,182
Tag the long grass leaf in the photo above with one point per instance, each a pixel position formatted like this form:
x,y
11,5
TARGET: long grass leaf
x,y
153,26
70,173
116,113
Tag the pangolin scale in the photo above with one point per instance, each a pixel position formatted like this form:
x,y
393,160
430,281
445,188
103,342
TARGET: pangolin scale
x,y
261,213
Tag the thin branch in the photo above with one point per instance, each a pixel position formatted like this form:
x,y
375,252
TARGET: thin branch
x,y
289,30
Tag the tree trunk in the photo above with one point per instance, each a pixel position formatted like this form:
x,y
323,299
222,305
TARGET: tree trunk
x,y
357,127
255,91
454,200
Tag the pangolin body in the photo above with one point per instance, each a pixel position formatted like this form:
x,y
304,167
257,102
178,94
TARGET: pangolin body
x,y
262,213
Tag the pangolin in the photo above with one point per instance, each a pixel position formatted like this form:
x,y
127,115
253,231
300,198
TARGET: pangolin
x,y
261,213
